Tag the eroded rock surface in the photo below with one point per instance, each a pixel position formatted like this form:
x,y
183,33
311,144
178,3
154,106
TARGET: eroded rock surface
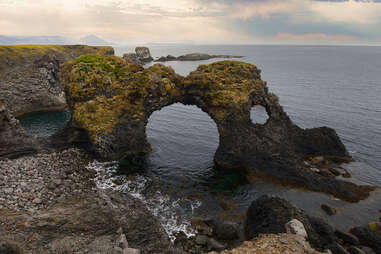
x,y
112,100
14,141
271,243
141,56
29,75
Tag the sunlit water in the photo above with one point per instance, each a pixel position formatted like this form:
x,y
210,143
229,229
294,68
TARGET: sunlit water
x,y
338,87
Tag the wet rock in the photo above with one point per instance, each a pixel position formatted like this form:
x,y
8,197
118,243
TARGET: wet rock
x,y
201,239
368,250
328,209
355,250
368,237
14,141
338,249
347,237
296,227
270,215
226,231
215,245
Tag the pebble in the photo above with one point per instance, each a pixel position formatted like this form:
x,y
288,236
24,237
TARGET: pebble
x,y
34,182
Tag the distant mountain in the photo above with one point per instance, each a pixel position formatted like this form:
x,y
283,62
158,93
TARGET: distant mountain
x,y
93,40
34,40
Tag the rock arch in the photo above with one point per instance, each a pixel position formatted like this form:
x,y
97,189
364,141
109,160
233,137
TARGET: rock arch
x,y
112,100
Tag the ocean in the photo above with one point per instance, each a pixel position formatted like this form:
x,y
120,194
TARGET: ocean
x,y
334,86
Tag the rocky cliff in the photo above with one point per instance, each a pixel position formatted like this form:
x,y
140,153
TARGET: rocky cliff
x,y
112,101
29,75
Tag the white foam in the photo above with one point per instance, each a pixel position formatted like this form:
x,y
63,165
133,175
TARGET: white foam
x,y
161,206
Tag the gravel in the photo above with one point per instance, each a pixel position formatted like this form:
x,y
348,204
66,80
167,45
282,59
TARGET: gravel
x,y
35,182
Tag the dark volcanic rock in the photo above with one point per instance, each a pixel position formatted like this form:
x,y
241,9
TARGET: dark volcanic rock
x,y
29,75
268,215
347,237
328,209
14,141
115,106
89,222
141,56
368,237
193,57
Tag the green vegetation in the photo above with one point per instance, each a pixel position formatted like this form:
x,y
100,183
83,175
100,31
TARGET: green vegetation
x,y
105,89
19,52
227,85
102,89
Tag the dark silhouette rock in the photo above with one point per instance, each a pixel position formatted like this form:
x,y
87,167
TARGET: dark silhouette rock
x,y
355,250
14,141
268,215
193,57
141,56
347,237
328,209
338,249
368,237
113,100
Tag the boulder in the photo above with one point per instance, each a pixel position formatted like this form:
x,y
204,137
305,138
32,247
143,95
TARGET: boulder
x,y
329,210
270,215
368,237
296,227
347,237
226,231
143,54
355,250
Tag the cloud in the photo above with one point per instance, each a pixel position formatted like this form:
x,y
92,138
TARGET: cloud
x,y
314,37
351,11
213,21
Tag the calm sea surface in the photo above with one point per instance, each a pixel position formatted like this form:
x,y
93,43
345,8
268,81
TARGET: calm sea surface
x,y
334,86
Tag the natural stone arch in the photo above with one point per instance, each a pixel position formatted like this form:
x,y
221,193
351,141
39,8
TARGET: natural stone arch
x,y
112,100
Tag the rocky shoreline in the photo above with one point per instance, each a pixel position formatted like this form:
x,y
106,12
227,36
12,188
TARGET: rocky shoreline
x,y
49,199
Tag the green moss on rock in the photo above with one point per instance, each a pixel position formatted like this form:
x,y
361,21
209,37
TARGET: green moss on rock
x,y
102,89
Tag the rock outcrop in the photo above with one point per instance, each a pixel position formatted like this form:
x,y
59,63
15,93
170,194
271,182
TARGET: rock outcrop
x,y
273,215
29,75
271,243
141,56
193,57
14,141
62,211
112,101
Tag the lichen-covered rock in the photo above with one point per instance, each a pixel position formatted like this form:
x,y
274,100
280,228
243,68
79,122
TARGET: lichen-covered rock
x,y
112,100
29,75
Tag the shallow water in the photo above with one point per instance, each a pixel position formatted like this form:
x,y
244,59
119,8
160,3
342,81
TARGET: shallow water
x,y
338,87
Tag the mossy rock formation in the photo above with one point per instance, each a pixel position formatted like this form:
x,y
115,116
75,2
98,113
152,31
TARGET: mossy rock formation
x,y
112,100
29,75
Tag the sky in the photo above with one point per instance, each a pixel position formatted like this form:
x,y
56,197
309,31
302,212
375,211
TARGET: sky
x,y
198,21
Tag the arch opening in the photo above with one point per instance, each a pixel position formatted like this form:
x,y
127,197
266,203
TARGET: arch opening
x,y
259,115
184,140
